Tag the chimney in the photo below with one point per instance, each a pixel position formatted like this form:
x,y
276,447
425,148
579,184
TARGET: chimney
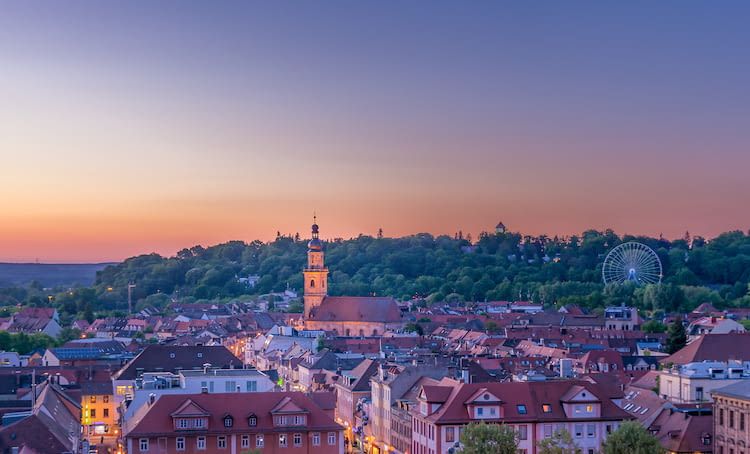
x,y
465,376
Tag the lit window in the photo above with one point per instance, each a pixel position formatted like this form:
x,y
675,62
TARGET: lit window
x,y
259,443
547,408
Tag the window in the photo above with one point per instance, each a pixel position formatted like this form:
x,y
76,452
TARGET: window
x,y
480,411
93,412
547,408
721,416
143,444
252,421
259,443
331,438
200,423
200,443
281,421
106,412
450,434
105,399
591,430
521,409
589,408
182,423
731,419
493,411
221,442
297,439
228,421
316,439
245,441
523,433
92,399
579,430
230,386
180,443
742,421
547,430
252,386
299,420
282,440
312,283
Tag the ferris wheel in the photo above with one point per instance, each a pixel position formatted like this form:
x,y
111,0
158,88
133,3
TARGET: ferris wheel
x,y
632,262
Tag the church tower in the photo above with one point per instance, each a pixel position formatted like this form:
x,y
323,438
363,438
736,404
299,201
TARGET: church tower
x,y
315,273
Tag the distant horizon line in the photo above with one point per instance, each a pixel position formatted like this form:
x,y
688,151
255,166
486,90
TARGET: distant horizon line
x,y
72,262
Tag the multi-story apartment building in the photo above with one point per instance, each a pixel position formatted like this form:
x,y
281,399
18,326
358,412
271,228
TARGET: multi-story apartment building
x,y
534,409
622,318
272,422
166,358
99,420
351,391
153,385
692,382
732,418
387,387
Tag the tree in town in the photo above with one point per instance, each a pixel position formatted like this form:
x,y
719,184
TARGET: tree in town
x,y
489,438
676,336
631,438
561,442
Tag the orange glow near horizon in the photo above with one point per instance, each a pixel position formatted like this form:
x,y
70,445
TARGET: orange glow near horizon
x,y
138,127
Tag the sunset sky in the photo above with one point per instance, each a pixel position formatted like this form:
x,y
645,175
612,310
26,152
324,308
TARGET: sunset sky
x,y
136,127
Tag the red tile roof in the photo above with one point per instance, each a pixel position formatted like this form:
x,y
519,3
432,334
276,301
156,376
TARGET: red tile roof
x,y
531,394
155,420
713,347
357,308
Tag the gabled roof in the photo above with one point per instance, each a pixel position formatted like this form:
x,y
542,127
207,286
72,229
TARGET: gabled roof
x,y
287,405
189,408
530,395
435,393
155,420
171,358
357,308
713,347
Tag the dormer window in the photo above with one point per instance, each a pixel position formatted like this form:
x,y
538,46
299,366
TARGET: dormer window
x,y
521,409
546,408
228,421
252,421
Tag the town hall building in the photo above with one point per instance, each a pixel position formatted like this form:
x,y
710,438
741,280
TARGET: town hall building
x,y
343,315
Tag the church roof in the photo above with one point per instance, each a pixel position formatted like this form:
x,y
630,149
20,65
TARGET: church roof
x,y
357,308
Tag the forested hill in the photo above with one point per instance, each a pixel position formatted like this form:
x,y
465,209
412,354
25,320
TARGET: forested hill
x,y
495,267
48,275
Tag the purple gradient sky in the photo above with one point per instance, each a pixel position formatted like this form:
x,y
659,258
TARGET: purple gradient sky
x,y
150,126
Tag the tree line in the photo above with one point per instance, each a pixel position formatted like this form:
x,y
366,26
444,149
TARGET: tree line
x,y
423,267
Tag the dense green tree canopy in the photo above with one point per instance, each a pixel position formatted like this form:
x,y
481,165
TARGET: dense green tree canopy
x,y
488,438
505,266
631,438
